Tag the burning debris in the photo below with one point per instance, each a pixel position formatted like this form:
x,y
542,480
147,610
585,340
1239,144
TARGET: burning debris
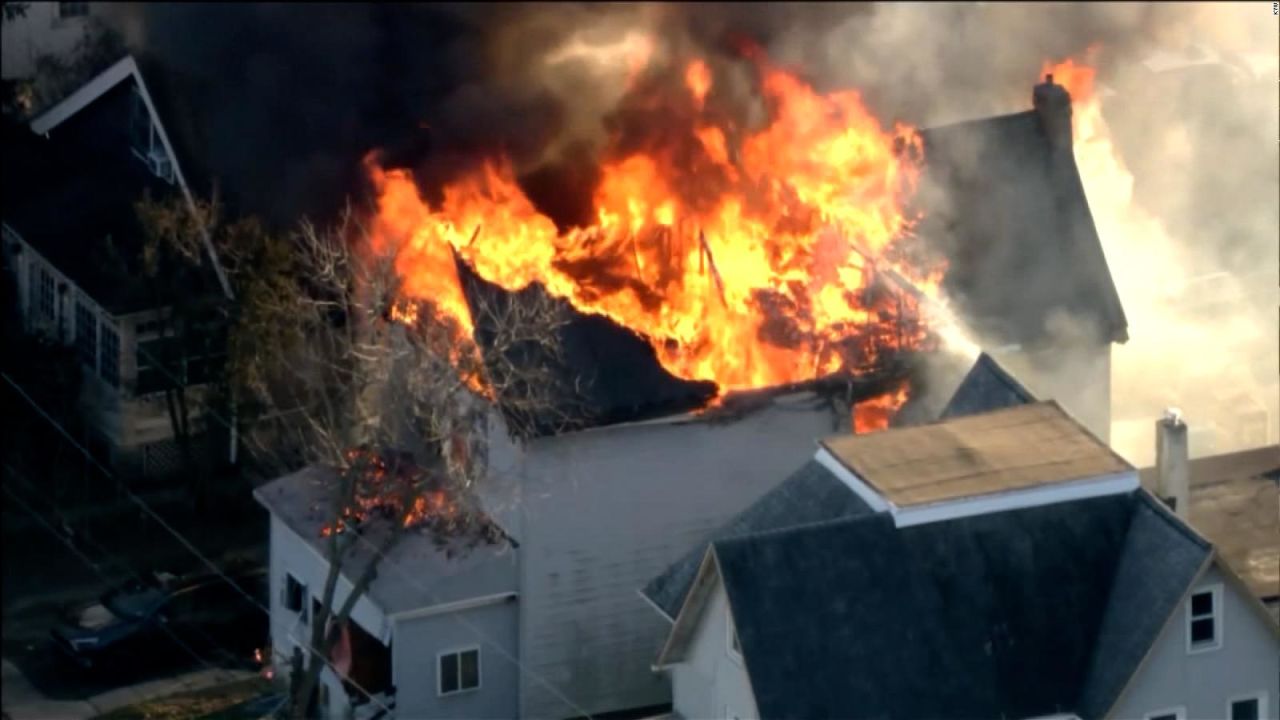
x,y
749,256
392,488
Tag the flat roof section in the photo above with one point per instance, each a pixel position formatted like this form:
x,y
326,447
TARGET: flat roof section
x,y
1011,449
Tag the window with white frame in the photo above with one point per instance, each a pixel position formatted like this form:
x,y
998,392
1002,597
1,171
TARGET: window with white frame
x,y
109,356
1167,714
87,335
1250,707
458,671
1204,619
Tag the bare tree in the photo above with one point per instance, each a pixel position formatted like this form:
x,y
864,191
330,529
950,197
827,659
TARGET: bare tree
x,y
386,393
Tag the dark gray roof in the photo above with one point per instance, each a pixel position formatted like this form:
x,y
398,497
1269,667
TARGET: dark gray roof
x,y
417,572
811,494
987,387
1011,215
1015,614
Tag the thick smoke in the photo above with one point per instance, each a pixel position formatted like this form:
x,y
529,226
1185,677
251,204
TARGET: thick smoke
x,y
283,101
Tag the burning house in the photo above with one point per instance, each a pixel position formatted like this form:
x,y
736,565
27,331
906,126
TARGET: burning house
x,y
733,296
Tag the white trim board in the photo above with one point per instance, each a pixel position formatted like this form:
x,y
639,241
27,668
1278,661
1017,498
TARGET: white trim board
x,y
872,498
1051,494
455,606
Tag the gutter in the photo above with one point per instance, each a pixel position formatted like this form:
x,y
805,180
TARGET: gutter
x,y
456,606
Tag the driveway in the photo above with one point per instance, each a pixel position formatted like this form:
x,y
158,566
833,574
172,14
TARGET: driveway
x,y
23,701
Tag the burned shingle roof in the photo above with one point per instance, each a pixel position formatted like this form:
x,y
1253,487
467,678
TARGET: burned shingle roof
x,y
1007,209
1023,613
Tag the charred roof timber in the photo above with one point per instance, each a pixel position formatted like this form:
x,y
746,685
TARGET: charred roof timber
x,y
1052,103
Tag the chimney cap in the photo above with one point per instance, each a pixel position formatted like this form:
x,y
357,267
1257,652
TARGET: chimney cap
x,y
1173,416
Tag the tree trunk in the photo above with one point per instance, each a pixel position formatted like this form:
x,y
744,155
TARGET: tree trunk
x,y
324,641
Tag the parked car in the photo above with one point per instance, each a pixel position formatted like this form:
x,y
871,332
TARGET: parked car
x,y
159,617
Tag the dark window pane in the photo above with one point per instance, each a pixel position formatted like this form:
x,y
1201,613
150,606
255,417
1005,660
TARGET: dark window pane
x,y
292,594
470,669
448,673
1202,631
1202,604
1170,716
1245,709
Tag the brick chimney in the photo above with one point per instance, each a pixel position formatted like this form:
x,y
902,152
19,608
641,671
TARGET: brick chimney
x,y
1052,104
1173,472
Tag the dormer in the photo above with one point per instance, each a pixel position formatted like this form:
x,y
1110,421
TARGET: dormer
x,y
1019,457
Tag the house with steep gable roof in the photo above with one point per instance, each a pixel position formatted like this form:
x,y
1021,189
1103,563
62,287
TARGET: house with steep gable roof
x,y
72,241
1005,564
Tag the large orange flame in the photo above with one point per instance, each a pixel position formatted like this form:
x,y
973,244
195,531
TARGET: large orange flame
x,y
743,256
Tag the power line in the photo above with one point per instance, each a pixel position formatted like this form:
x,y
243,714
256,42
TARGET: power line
x,y
377,552
84,558
112,557
194,551
431,596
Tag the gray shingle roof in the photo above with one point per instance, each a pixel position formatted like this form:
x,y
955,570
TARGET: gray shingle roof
x,y
811,494
987,387
1015,614
441,574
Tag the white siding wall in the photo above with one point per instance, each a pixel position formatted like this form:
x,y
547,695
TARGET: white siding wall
x,y
710,683
290,554
1202,683
600,513
418,642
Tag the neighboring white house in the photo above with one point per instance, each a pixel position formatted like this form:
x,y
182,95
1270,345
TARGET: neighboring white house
x,y
70,181
1005,564
433,637
556,620
45,28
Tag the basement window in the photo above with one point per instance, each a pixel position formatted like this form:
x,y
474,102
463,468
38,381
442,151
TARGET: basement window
x,y
1204,620
459,671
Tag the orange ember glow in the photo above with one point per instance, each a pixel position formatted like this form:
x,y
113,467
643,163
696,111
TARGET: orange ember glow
x,y
380,488
874,414
745,256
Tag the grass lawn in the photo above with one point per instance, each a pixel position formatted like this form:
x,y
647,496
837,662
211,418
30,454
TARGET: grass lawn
x,y
193,704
